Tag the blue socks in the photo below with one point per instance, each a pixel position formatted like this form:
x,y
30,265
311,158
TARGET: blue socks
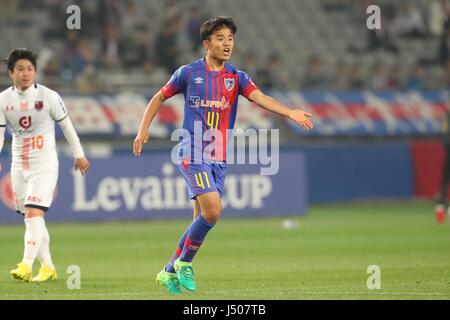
x,y
176,255
190,242
196,234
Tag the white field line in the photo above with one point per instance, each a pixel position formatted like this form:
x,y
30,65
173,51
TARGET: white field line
x,y
212,293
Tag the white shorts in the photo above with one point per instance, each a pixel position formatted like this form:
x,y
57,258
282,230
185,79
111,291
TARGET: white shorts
x,y
34,188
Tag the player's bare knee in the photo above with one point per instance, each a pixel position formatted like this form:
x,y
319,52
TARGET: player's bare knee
x,y
33,212
213,213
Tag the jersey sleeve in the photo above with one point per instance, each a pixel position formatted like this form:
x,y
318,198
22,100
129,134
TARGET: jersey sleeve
x,y
58,110
2,141
246,85
2,111
2,118
176,84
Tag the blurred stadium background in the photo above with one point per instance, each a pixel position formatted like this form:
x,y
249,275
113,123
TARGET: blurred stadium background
x,y
378,99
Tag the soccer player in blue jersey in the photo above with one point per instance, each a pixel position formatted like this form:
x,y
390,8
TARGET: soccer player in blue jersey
x,y
211,87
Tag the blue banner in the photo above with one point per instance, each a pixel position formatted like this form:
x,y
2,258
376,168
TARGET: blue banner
x,y
359,171
124,187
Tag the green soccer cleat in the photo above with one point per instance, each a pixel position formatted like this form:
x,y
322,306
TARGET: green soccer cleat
x,y
185,274
170,281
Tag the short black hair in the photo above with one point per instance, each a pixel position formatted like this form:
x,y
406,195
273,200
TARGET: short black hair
x,y
19,54
216,23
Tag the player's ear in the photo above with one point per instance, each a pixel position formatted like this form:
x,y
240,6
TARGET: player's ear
x,y
206,44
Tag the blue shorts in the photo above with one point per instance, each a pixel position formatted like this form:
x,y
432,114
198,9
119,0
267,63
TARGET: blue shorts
x,y
203,178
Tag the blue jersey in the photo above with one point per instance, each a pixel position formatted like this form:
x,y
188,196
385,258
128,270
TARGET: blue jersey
x,y
210,102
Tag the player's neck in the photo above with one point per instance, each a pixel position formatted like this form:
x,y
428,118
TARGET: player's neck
x,y
214,64
21,89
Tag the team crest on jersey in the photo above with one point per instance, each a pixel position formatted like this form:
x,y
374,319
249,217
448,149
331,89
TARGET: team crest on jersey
x,y
229,83
38,105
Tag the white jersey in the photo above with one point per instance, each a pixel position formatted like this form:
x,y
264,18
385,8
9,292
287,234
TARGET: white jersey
x,y
31,115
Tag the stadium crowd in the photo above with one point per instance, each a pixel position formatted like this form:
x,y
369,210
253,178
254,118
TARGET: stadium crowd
x,y
117,36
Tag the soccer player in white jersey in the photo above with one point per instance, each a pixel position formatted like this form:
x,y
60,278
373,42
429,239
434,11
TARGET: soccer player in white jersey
x,y
30,110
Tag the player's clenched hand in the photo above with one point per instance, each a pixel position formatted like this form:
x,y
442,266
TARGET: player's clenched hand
x,y
140,139
302,118
83,165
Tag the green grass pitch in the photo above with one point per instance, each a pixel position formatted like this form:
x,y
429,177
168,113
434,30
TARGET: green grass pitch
x,y
325,258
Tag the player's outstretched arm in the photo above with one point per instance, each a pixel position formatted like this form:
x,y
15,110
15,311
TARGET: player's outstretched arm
x,y
81,163
300,117
149,114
